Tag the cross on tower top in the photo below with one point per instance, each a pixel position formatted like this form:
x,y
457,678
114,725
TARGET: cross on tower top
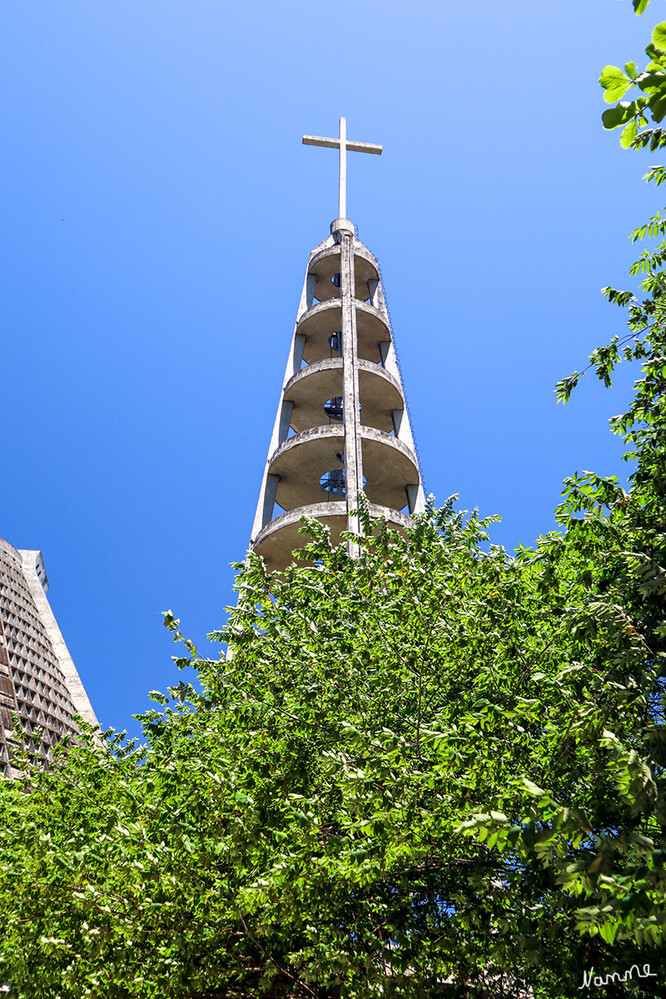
x,y
343,144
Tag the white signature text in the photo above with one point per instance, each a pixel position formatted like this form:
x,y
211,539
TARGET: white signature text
x,y
592,979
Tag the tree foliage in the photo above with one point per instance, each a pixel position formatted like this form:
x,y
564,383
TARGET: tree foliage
x,y
648,89
435,763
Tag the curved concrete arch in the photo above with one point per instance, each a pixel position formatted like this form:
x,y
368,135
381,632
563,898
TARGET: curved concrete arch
x,y
281,536
389,467
325,318
381,395
300,462
311,387
326,264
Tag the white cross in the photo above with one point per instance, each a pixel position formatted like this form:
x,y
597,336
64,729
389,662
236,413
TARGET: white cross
x,y
343,145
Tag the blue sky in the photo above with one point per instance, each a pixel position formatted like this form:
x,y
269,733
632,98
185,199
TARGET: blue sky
x,y
158,209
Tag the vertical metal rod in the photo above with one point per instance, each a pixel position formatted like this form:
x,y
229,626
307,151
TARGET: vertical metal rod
x,y
342,199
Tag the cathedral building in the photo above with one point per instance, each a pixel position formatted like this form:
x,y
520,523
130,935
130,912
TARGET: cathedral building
x,y
39,683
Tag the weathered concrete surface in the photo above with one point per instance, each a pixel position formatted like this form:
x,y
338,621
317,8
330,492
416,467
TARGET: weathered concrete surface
x,y
314,385
38,680
322,320
326,265
82,706
281,536
388,465
350,387
342,293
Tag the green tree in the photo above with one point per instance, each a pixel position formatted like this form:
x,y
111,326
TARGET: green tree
x,y
301,825
613,863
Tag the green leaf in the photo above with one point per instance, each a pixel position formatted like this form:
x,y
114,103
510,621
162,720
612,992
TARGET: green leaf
x,y
656,57
640,6
628,134
533,788
615,83
659,36
608,931
658,106
630,69
619,115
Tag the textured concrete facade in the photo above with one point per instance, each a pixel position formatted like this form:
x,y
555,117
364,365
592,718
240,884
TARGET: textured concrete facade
x,y
39,683
342,423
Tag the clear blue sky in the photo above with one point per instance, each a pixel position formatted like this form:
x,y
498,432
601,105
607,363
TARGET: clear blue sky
x,y
158,209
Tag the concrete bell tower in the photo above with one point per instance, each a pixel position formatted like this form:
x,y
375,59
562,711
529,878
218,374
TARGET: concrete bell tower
x,y
342,423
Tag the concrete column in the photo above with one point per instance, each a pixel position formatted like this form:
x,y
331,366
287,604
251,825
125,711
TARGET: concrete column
x,y
269,493
310,284
297,353
350,388
287,409
413,498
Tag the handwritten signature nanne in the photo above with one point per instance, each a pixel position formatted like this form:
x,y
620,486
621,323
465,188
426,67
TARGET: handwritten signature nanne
x,y
592,979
